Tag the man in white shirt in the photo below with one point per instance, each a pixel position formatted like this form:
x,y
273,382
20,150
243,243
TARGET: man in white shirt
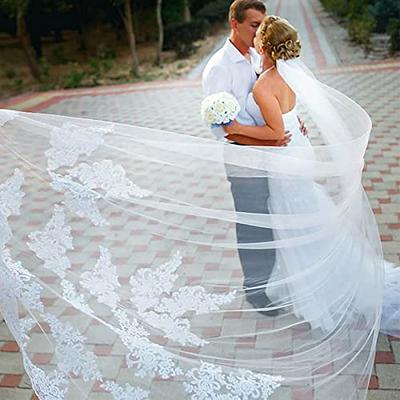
x,y
233,69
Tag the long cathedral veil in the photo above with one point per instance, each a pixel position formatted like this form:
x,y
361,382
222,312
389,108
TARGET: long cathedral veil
x,y
120,271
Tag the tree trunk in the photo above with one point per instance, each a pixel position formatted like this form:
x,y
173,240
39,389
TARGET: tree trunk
x,y
26,46
131,36
82,31
160,33
33,27
187,17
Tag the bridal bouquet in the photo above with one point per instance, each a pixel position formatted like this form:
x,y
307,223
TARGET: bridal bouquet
x,y
219,109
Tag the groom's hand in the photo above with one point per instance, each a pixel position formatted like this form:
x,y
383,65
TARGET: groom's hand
x,y
285,141
232,128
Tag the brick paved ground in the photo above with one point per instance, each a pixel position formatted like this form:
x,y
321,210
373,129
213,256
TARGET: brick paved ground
x,y
174,106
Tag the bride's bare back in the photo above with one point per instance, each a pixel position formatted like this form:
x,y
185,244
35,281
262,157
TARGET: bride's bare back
x,y
271,88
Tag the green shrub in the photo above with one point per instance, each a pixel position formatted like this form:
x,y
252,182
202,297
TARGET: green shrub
x,y
357,9
17,83
367,16
106,53
394,33
384,11
338,7
172,11
216,11
107,64
98,68
73,79
181,37
360,29
58,55
10,72
44,68
95,66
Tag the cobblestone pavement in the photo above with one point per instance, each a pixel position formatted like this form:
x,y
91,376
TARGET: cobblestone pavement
x,y
174,106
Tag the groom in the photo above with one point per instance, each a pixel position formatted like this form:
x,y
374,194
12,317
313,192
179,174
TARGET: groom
x,y
233,69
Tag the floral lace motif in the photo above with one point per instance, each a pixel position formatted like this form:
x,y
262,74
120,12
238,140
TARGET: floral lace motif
x,y
53,386
52,243
79,199
210,382
8,301
71,295
11,194
148,284
151,359
125,393
129,329
20,280
72,357
10,202
164,309
109,177
70,141
146,357
102,280
26,324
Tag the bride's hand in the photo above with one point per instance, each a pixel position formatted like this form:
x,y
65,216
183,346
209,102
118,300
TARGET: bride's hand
x,y
303,128
232,128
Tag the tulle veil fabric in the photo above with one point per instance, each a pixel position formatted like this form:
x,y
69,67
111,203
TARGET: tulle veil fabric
x,y
120,274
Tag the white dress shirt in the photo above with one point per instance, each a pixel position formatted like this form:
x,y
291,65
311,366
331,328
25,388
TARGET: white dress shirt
x,y
229,71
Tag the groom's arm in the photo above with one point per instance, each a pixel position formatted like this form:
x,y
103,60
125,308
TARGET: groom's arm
x,y
257,132
245,140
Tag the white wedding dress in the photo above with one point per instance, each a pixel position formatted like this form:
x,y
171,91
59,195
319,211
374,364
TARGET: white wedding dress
x,y
322,273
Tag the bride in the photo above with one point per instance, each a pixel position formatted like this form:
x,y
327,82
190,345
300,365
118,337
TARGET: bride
x,y
119,270
323,271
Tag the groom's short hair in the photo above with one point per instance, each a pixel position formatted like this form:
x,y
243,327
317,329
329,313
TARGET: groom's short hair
x,y
238,8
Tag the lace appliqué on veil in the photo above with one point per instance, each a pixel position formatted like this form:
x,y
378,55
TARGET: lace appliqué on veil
x,y
71,295
79,184
102,280
148,358
52,243
53,386
10,202
125,393
151,359
79,199
162,308
70,141
20,283
209,382
109,177
72,357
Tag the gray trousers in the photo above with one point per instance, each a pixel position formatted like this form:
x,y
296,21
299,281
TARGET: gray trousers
x,y
251,195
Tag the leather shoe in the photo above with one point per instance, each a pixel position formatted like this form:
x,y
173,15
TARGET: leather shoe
x,y
262,301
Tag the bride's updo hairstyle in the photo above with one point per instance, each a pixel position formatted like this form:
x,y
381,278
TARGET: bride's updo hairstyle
x,y
279,39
